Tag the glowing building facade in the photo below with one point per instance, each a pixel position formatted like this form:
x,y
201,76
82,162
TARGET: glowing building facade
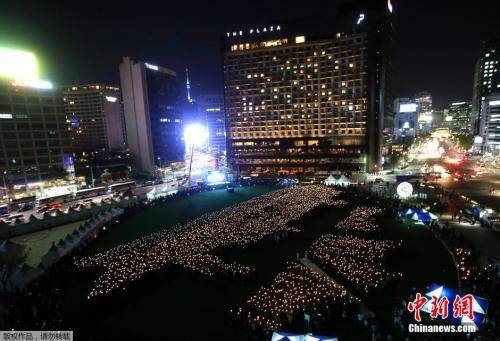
x,y
458,118
425,112
298,102
151,98
211,109
486,80
490,127
34,137
94,113
406,125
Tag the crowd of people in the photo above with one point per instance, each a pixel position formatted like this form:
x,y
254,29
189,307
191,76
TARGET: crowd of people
x,y
360,220
294,292
358,262
192,245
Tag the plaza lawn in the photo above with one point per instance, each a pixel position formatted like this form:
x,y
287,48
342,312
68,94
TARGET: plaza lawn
x,y
181,210
175,305
38,243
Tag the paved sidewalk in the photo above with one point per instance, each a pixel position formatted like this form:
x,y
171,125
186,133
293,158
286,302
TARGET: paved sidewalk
x,y
484,240
368,314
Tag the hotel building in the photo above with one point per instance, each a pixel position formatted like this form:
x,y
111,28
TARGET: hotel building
x,y
299,102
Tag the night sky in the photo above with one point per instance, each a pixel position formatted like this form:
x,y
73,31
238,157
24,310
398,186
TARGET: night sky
x,y
83,41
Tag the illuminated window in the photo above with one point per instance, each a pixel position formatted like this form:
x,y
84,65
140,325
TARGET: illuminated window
x,y
300,39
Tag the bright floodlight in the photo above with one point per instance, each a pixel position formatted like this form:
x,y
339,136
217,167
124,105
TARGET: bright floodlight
x,y
16,64
195,135
215,177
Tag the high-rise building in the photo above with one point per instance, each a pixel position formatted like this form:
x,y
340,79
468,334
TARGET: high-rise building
x,y
486,79
406,125
425,116
490,129
151,96
211,108
458,117
96,117
299,101
34,137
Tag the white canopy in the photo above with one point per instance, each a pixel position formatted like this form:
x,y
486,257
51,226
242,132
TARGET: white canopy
x,y
277,336
341,181
319,338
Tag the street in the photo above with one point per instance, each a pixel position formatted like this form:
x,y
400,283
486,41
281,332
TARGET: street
x,y
478,188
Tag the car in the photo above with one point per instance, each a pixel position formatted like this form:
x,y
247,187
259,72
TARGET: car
x,y
42,209
15,216
52,211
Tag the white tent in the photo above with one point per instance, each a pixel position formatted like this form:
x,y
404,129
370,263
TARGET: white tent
x,y
319,338
330,181
433,216
341,181
283,336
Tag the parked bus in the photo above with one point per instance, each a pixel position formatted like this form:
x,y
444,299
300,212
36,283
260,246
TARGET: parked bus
x,y
4,211
121,187
90,192
13,217
19,203
57,199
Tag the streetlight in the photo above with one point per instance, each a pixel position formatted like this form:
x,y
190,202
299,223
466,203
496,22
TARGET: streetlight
x,y
194,135
4,184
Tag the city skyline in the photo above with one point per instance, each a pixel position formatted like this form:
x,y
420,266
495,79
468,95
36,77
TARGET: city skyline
x,y
252,170
176,40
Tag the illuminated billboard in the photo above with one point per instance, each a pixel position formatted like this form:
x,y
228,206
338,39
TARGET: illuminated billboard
x,y
16,64
408,107
22,69
32,83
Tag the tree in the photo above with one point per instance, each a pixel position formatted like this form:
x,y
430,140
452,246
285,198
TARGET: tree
x,y
106,175
464,141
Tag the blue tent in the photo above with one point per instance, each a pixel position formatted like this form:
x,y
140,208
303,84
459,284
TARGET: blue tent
x,y
418,214
408,213
288,182
424,217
